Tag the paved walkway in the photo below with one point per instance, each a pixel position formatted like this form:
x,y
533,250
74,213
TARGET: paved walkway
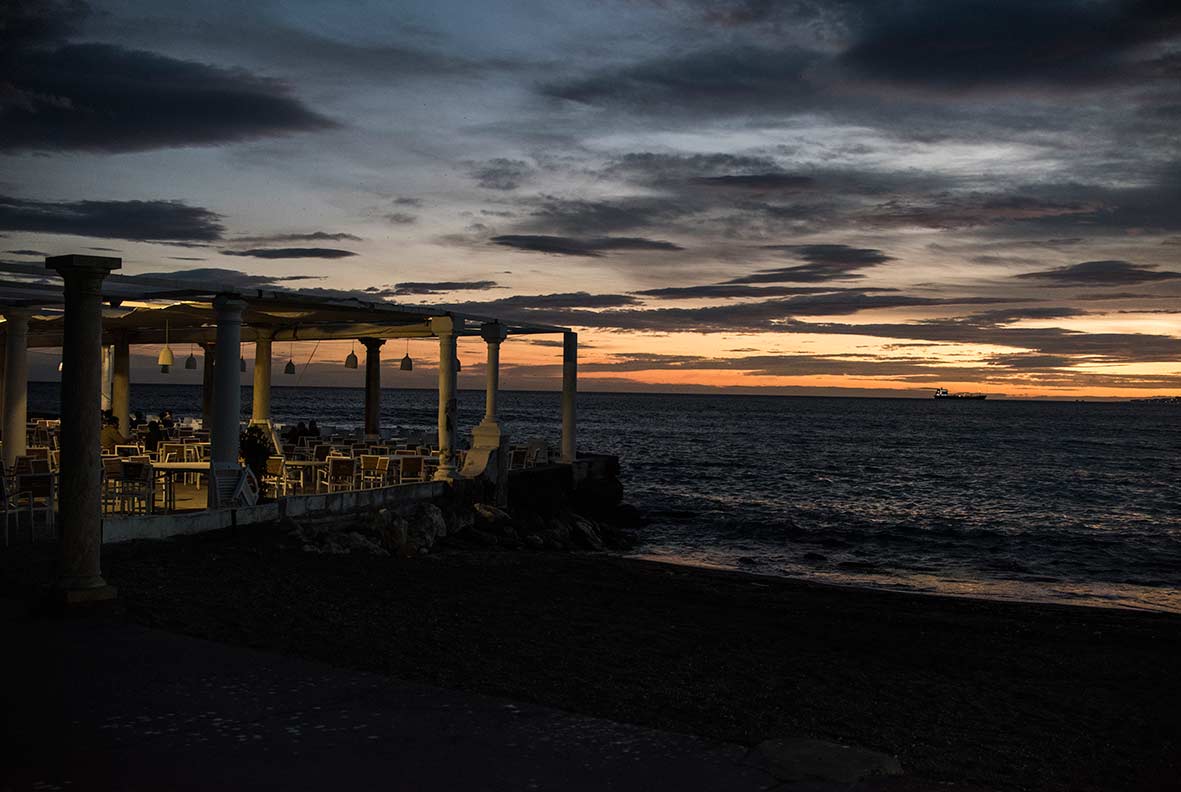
x,y
97,705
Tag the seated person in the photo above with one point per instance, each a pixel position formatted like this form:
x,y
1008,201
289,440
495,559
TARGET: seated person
x,y
313,430
154,436
111,436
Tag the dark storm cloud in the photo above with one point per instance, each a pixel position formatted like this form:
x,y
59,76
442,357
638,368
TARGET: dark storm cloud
x,y
501,174
216,276
291,253
401,218
572,246
100,97
759,182
1009,43
439,287
313,236
538,303
670,169
726,291
27,252
1101,273
132,220
763,316
825,262
604,216
743,78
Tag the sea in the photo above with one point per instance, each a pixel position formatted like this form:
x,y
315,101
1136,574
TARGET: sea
x,y
1068,502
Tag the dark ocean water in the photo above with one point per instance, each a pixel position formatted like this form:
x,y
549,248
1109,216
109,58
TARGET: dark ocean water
x,y
1048,501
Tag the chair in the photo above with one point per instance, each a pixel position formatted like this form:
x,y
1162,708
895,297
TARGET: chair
x,y
536,453
128,450
339,474
8,504
321,452
276,475
112,485
517,458
139,486
380,450
233,485
410,468
374,471
36,491
38,452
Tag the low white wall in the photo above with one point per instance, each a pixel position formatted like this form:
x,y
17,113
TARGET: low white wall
x,y
162,526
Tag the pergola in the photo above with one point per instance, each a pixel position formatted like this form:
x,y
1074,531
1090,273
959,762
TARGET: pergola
x,y
74,302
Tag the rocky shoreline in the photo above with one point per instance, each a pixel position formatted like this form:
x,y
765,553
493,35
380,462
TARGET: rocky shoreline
x,y
411,529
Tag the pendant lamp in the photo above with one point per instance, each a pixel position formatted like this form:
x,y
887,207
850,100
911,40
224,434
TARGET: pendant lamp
x,y
165,358
351,361
407,363
290,367
191,360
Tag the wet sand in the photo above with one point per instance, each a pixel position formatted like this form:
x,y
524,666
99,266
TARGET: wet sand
x,y
1000,695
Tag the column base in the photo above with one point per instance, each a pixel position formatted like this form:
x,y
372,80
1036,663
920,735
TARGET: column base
x,y
83,596
486,435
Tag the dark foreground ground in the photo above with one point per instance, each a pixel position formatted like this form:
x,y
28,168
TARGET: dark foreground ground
x,y
1000,695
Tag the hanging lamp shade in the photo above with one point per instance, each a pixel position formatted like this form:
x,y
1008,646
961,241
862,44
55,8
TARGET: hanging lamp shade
x,y
407,363
351,361
165,359
191,360
290,367
241,364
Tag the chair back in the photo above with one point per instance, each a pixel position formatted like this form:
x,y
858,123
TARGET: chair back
x,y
113,467
369,462
128,450
322,451
340,468
275,466
38,466
39,485
37,452
410,467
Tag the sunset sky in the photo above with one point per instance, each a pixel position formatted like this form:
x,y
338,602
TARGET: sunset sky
x,y
852,197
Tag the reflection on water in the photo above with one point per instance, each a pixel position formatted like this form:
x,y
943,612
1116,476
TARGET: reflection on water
x,y
1067,502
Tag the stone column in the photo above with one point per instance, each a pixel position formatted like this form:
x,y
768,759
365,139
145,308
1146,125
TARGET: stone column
x,y
445,327
227,387
3,357
487,434
372,386
569,393
16,383
208,348
261,412
80,500
108,378
121,384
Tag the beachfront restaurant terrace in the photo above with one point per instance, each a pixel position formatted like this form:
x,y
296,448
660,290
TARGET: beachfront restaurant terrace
x,y
79,303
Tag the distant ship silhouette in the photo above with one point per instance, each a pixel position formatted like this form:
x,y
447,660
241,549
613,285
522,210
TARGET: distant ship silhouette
x,y
943,393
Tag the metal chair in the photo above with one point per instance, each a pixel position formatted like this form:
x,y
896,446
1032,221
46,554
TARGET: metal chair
x,y
374,471
36,492
410,469
340,474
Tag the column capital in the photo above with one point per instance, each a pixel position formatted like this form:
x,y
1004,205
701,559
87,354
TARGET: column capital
x,y
228,307
91,265
372,344
446,325
264,333
493,332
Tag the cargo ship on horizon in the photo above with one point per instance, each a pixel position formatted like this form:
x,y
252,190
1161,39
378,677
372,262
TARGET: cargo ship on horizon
x,y
944,393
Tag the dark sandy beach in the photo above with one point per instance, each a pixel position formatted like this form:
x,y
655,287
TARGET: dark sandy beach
x,y
999,695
